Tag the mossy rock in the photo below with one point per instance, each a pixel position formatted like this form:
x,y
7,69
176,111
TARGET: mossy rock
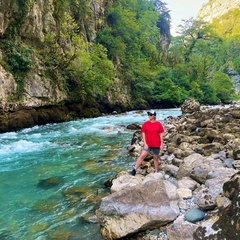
x,y
52,115
3,123
91,113
21,119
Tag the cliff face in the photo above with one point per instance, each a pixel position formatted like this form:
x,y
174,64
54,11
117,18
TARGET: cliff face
x,y
32,21
30,93
216,8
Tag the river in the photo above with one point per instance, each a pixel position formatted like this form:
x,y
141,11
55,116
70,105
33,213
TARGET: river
x,y
53,175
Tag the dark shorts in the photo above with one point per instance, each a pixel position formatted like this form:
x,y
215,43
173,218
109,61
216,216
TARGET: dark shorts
x,y
154,150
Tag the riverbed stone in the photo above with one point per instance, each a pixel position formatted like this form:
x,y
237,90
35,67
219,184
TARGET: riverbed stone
x,y
236,164
181,230
187,182
184,193
195,215
188,164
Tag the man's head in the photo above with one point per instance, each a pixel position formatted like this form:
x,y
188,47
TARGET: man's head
x,y
151,113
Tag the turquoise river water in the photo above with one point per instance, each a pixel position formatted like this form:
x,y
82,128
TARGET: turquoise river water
x,y
52,176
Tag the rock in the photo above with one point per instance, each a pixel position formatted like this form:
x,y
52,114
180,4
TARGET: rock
x,y
228,162
202,153
187,182
203,168
188,164
195,215
222,202
138,208
125,180
184,193
190,105
8,86
210,148
206,199
171,169
153,176
180,230
108,183
236,164
134,127
49,182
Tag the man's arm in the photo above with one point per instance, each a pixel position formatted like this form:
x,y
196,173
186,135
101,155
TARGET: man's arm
x,y
144,141
161,139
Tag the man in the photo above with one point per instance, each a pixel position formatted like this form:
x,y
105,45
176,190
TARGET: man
x,y
152,134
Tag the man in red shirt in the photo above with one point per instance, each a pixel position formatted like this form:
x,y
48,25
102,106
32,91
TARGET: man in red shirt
x,y
152,134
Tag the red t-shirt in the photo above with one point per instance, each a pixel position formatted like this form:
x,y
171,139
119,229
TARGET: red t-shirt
x,y
152,131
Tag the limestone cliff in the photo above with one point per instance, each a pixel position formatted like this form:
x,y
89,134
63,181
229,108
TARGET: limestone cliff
x,y
32,21
216,8
31,88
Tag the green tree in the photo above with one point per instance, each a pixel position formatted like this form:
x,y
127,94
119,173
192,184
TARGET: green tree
x,y
209,94
223,86
167,93
196,91
236,64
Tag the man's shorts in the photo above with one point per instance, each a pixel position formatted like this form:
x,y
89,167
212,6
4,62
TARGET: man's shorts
x,y
154,150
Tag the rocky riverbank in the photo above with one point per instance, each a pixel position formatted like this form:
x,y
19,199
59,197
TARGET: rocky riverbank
x,y
195,195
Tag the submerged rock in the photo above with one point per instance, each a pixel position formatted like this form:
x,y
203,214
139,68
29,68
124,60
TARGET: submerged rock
x,y
49,182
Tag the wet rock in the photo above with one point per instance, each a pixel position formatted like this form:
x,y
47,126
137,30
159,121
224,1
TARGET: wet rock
x,y
134,127
108,183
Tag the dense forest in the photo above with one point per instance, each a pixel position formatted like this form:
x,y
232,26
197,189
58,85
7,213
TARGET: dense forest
x,y
131,44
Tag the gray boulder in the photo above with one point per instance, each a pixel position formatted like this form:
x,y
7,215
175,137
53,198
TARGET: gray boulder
x,y
149,205
190,105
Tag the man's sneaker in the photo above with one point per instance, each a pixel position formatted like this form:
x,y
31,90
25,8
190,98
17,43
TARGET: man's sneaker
x,y
133,172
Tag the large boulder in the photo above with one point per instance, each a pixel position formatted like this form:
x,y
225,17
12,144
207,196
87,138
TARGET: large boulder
x,y
137,208
190,105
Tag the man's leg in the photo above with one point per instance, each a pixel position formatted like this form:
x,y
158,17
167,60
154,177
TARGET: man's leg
x,y
140,159
143,154
156,163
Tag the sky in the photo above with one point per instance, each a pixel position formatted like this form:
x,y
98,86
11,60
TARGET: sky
x,y
183,9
